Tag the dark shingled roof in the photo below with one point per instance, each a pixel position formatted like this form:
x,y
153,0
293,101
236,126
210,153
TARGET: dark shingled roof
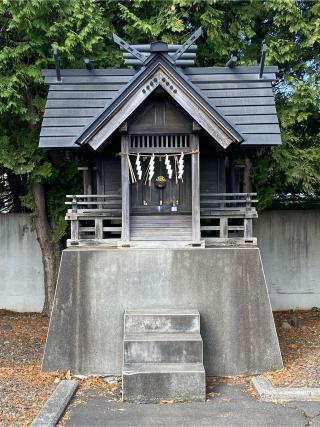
x,y
236,93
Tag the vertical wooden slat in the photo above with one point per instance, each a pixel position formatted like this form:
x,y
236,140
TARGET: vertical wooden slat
x,y
195,165
247,228
248,202
74,205
125,233
223,231
98,228
74,230
74,223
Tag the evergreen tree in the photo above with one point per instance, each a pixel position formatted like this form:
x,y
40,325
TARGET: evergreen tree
x,y
30,29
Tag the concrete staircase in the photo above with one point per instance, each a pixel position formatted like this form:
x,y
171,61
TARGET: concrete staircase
x,y
162,356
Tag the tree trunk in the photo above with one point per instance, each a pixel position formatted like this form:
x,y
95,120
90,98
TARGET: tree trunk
x,y
247,184
51,250
16,185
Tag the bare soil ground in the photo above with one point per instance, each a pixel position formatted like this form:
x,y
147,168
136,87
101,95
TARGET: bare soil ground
x,y
300,349
24,388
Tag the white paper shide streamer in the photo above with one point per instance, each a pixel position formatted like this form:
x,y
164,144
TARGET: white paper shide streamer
x,y
168,166
138,167
181,166
151,168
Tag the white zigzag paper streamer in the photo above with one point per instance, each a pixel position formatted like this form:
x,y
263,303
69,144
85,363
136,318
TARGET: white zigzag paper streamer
x,y
181,166
151,168
138,167
168,166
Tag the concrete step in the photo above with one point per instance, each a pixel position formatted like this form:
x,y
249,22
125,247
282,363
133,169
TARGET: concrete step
x,y
149,382
162,321
162,348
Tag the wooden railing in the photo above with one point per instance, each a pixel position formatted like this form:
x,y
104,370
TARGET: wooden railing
x,y
223,216
93,215
227,215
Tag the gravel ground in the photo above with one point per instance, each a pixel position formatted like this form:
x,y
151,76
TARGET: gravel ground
x,y
300,349
24,388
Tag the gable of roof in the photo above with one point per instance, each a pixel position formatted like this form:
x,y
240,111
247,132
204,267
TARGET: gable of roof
x,y
159,72
246,101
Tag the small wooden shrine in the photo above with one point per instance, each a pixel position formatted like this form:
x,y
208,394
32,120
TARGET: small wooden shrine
x,y
162,234
158,145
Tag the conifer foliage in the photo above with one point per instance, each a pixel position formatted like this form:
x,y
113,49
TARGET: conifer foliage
x,y
29,30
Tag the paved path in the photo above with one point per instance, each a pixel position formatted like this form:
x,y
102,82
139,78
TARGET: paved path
x,y
232,407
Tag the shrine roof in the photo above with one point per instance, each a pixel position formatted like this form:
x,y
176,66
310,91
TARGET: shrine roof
x,y
242,100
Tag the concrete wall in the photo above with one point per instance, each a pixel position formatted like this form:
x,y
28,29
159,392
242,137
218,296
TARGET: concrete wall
x,y
21,272
226,285
290,249
289,243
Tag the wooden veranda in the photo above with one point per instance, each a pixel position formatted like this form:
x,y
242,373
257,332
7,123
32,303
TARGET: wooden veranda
x,y
225,218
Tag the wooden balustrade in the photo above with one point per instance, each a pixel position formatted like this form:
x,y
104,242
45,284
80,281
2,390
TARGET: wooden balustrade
x,y
89,213
231,213
224,216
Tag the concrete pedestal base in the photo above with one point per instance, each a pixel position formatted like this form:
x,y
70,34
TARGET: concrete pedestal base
x,y
226,285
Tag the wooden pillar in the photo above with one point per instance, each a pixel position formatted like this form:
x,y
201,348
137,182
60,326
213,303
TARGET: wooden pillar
x,y
87,181
74,220
100,174
74,229
195,165
86,176
125,187
223,230
248,218
248,228
98,228
247,184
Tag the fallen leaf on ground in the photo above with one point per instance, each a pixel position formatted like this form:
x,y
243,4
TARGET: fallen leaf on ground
x,y
68,375
292,346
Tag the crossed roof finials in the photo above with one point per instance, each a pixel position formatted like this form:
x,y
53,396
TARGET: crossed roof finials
x,y
138,55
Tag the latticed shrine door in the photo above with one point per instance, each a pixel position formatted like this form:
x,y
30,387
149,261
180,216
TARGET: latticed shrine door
x,y
162,195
